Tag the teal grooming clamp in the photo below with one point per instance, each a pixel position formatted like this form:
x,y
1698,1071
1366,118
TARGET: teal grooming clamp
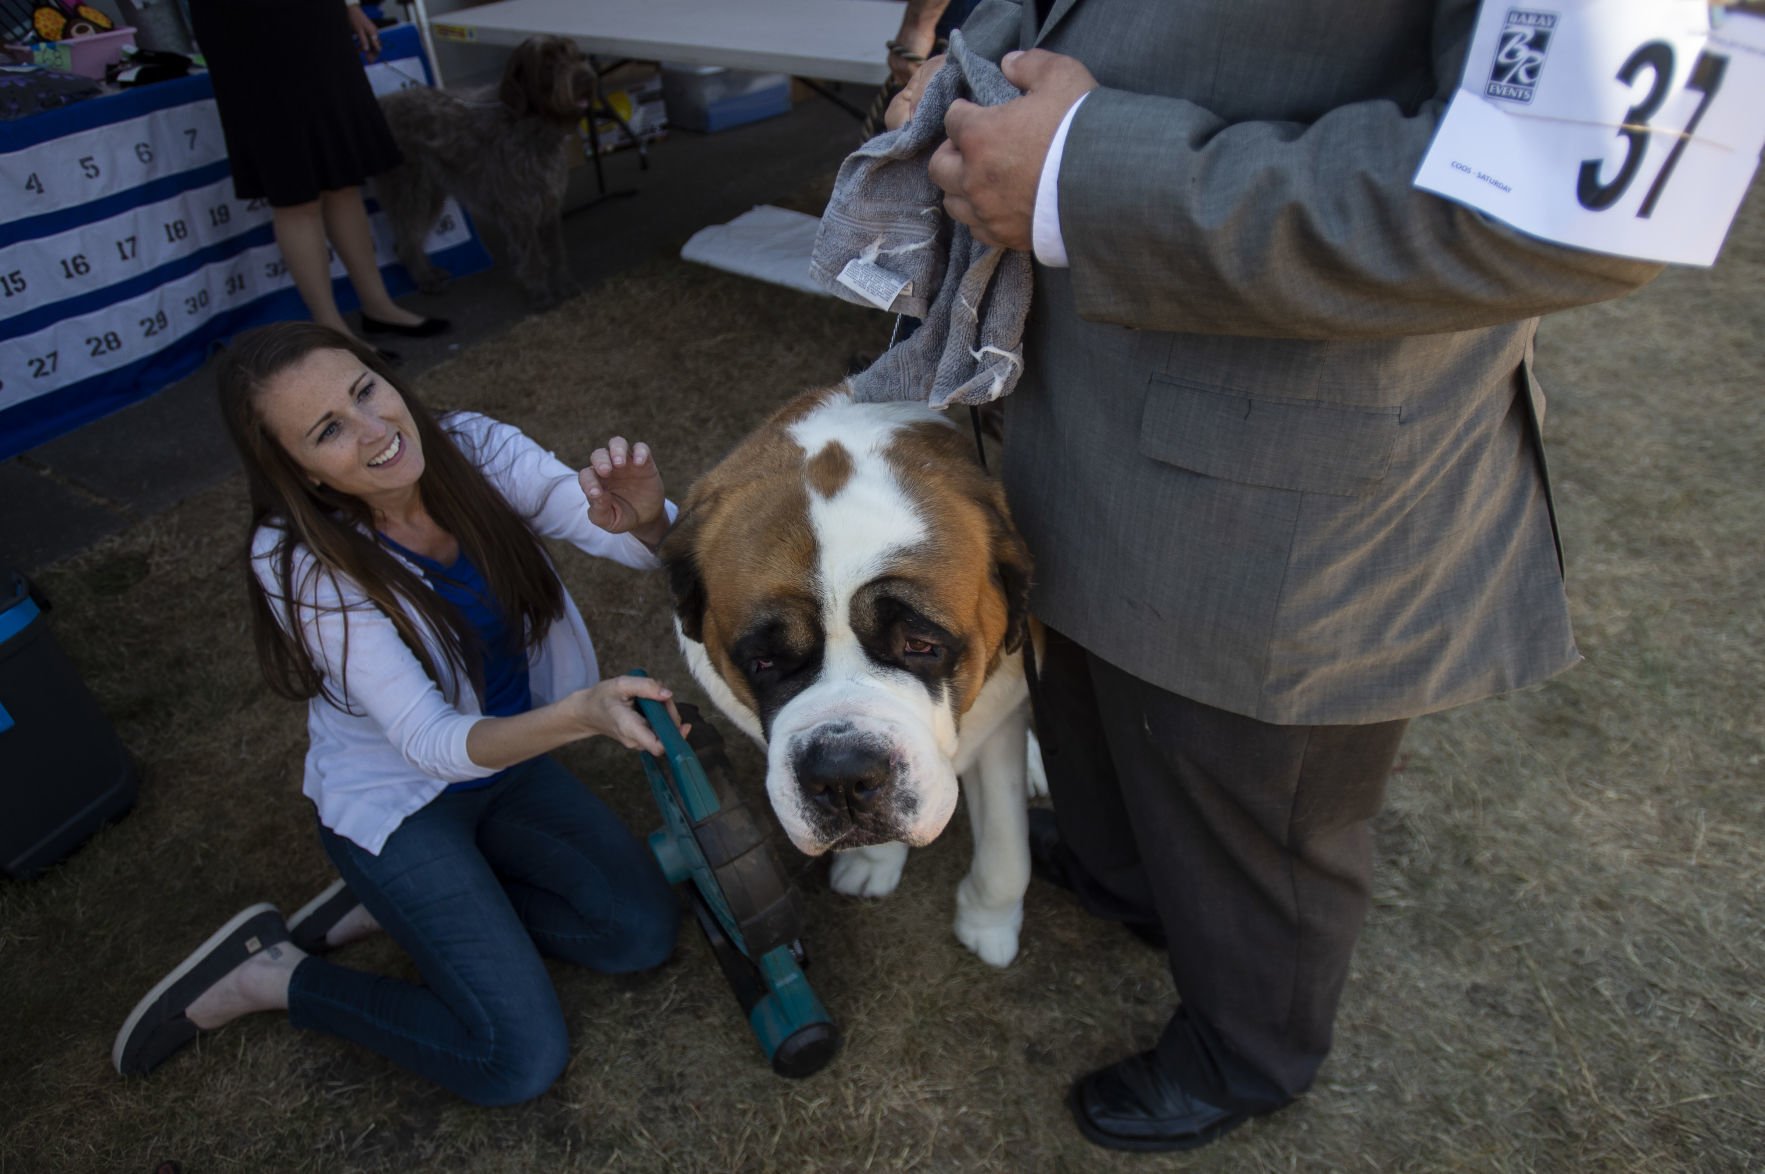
x,y
740,894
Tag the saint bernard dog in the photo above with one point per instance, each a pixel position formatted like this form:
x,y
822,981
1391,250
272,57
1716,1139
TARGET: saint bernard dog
x,y
850,591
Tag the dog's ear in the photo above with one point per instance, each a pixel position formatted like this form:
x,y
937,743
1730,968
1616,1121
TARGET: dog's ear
x,y
516,90
1013,570
686,583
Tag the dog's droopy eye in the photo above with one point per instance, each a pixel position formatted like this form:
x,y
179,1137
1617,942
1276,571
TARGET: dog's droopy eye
x,y
917,647
759,665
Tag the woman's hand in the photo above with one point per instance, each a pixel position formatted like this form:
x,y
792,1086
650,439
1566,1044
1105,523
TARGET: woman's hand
x,y
907,52
901,107
605,709
365,32
624,490
608,708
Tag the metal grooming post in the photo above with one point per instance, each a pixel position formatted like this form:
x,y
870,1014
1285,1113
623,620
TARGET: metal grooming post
x,y
422,23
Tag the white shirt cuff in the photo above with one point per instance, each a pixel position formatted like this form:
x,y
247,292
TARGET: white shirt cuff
x,y
1045,235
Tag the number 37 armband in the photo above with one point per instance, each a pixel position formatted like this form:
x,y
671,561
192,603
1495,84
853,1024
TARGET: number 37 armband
x,y
1620,127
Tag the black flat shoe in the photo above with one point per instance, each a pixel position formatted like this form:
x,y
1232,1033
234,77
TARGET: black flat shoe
x,y
1049,861
427,328
158,1027
1133,1105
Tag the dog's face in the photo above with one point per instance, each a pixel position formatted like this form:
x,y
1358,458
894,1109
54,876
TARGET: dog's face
x,y
548,77
844,582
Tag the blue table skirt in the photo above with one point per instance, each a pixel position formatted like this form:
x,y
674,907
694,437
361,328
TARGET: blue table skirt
x,y
125,259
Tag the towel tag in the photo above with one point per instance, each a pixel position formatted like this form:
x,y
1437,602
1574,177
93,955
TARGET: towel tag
x,y
873,283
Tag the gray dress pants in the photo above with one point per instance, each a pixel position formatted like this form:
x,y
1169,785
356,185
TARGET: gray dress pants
x,y
1250,843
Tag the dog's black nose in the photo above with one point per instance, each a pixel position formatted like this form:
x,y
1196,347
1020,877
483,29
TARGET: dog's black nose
x,y
844,776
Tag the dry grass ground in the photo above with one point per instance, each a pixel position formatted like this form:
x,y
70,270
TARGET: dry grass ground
x,y
1563,971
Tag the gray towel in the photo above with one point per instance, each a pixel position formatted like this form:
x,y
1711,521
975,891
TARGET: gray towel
x,y
885,230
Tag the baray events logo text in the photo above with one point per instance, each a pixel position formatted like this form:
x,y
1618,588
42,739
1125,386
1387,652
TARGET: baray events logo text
x,y
1519,54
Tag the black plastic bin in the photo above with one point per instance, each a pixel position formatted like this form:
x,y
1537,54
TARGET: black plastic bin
x,y
63,771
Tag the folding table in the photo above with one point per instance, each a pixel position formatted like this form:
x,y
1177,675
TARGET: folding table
x,y
835,40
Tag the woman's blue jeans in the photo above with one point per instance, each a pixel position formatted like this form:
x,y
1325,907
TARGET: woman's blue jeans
x,y
476,887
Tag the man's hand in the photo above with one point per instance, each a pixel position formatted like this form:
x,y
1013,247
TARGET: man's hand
x,y
991,162
624,490
366,34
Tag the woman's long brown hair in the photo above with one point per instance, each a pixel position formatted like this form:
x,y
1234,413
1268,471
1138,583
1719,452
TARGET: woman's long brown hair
x,y
338,528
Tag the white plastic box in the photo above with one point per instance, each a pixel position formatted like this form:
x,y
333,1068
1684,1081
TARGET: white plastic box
x,y
710,98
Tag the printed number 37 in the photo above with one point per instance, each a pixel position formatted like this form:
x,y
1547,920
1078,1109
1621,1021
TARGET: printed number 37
x,y
1657,57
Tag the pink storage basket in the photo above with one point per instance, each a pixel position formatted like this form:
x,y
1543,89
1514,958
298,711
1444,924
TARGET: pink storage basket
x,y
87,56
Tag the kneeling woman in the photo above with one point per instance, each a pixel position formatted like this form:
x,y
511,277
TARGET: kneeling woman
x,y
399,587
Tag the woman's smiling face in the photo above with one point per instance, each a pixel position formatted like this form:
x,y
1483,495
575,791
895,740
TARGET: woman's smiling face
x,y
344,426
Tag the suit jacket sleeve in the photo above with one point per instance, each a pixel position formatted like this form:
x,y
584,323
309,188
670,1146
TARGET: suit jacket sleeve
x,y
1177,220
993,28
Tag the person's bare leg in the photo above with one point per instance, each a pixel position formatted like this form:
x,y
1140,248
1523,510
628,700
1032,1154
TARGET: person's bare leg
x,y
346,223
260,983
300,234
353,926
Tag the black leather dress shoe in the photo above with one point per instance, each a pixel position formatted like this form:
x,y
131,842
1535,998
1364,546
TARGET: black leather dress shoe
x,y
427,328
1133,1105
1049,860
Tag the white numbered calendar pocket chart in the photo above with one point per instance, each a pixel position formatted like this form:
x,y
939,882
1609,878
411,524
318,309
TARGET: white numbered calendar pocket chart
x,y
125,254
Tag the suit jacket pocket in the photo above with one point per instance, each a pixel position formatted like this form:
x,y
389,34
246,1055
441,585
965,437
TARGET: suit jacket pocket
x,y
1304,445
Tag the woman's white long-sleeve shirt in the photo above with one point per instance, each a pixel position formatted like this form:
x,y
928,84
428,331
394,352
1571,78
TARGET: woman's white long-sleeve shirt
x,y
399,740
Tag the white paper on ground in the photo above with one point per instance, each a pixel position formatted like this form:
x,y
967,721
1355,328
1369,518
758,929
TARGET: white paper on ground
x,y
772,244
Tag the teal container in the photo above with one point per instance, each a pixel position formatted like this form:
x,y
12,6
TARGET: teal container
x,y
744,903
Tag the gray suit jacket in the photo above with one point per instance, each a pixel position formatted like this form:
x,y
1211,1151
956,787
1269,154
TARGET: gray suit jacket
x,y
1276,445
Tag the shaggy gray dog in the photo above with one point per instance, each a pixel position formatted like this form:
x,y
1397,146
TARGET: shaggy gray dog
x,y
503,157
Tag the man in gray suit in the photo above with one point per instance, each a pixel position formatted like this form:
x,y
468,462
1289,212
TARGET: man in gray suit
x,y
1277,454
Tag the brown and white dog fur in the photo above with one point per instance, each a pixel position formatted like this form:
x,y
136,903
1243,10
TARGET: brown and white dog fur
x,y
850,591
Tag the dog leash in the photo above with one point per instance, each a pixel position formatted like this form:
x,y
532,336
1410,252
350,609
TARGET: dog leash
x,y
980,449
1032,678
424,82
461,98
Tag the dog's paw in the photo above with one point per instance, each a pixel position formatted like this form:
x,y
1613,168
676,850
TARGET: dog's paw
x,y
432,279
868,872
1035,775
990,931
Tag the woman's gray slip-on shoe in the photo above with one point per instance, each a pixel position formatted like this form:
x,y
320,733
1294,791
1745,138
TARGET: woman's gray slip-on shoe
x,y
313,920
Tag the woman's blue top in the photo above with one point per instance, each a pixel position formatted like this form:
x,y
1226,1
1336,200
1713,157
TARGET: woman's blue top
x,y
506,689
